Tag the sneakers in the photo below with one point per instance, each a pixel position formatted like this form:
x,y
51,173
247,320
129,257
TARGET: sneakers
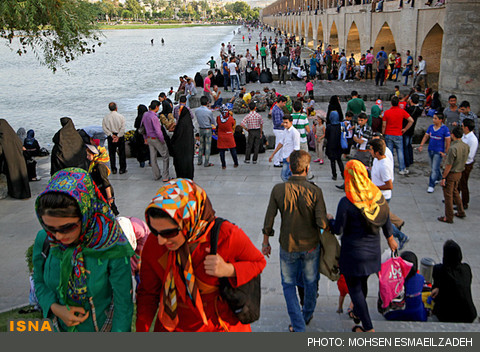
x,y
402,242
404,172
254,161
430,189
246,161
317,161
321,162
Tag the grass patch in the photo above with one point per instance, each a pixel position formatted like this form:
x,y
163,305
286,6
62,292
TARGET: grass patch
x,y
14,314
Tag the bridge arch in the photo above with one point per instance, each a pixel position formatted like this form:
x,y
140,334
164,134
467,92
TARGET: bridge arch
x,y
320,33
353,42
432,52
384,38
333,39
309,41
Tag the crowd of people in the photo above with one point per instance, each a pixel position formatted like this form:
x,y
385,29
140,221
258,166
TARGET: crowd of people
x,y
85,256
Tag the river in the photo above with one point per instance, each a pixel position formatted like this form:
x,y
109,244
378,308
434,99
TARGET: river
x,y
126,69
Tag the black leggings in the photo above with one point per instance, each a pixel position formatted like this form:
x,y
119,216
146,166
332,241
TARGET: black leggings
x,y
340,165
357,289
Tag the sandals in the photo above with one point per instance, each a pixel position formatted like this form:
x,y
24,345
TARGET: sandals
x,y
351,315
208,165
458,215
358,328
444,219
290,328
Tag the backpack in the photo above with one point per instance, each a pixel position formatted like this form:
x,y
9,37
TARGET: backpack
x,y
244,300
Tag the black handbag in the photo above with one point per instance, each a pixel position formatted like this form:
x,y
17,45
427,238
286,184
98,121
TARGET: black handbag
x,y
244,300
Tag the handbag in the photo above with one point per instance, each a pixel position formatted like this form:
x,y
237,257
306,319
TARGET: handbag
x,y
329,255
343,138
244,300
391,283
142,129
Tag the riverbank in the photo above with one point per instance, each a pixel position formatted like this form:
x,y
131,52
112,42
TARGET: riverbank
x,y
157,25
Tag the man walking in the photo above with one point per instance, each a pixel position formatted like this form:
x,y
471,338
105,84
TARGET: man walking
x,y
303,213
278,130
205,121
300,122
393,131
289,143
471,140
156,141
253,123
457,156
356,105
422,72
282,68
113,125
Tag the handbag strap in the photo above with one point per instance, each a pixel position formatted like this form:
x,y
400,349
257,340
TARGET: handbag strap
x,y
214,235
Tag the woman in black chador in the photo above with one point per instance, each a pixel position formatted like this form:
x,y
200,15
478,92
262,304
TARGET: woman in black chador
x,y
183,145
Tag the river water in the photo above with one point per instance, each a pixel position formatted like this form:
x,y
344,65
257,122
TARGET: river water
x,y
126,69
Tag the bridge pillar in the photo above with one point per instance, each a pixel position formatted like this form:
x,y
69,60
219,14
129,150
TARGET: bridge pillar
x,y
460,63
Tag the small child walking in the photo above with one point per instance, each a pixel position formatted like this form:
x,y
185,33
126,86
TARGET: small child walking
x,y
309,88
319,131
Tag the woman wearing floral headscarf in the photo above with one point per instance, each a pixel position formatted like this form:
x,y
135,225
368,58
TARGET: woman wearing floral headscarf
x,y
178,276
84,284
359,217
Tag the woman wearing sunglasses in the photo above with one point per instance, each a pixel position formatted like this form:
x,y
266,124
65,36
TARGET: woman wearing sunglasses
x,y
178,276
84,283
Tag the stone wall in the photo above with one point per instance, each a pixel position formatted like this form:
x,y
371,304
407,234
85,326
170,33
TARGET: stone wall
x,y
460,66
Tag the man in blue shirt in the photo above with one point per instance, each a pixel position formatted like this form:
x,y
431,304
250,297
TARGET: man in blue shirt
x,y
278,130
205,121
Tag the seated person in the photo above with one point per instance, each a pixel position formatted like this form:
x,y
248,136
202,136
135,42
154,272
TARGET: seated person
x,y
414,308
451,290
239,105
261,101
31,145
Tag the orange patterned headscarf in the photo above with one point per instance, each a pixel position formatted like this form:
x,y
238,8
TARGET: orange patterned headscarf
x,y
188,205
101,157
361,191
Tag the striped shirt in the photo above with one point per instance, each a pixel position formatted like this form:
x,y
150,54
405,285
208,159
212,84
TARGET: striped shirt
x,y
252,121
300,122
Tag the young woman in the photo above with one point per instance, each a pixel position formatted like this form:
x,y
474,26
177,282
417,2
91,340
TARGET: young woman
x,y
178,276
84,284
360,214
226,139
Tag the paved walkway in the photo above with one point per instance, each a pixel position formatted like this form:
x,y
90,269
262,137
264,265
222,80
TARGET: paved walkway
x,y
241,195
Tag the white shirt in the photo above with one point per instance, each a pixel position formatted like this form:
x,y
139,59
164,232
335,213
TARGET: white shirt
x,y
112,123
232,66
382,171
471,140
422,66
290,142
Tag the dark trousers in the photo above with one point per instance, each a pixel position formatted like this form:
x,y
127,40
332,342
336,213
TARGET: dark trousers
x,y
233,151
358,289
264,61
451,194
463,185
112,152
253,142
340,165
368,68
407,150
380,77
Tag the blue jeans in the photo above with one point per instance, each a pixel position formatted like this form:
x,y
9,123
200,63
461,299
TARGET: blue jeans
x,y
286,172
408,150
399,235
234,79
406,73
436,173
342,71
397,143
226,80
218,103
205,145
304,265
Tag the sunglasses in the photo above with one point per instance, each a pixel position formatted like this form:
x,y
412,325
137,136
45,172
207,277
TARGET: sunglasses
x,y
65,229
168,233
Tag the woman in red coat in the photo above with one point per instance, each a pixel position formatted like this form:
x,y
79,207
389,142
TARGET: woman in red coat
x,y
226,140
178,276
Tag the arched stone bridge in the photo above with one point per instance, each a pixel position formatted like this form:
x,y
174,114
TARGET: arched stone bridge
x,y
356,29
453,62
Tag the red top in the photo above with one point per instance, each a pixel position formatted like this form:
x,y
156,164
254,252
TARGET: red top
x,y
394,119
234,247
225,133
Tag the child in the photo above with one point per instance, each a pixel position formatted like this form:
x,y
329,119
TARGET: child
x,y
309,88
343,289
319,131
310,107
397,91
349,127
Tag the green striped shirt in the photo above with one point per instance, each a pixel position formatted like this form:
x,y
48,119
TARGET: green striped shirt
x,y
300,121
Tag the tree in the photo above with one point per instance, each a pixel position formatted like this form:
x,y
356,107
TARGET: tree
x,y
56,31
